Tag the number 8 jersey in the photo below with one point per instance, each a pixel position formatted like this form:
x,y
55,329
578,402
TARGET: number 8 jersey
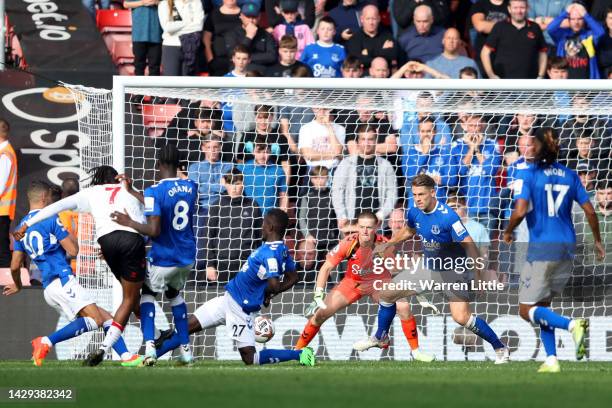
x,y
173,200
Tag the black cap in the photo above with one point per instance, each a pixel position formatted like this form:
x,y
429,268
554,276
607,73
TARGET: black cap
x,y
289,6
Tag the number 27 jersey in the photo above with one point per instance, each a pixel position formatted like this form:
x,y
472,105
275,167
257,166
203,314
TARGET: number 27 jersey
x,y
173,200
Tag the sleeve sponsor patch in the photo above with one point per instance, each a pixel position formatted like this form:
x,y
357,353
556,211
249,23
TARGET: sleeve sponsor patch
x,y
272,265
149,203
517,186
459,228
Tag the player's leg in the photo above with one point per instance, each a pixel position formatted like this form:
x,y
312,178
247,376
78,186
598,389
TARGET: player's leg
x,y
545,280
250,356
461,313
409,328
175,282
128,359
340,297
147,322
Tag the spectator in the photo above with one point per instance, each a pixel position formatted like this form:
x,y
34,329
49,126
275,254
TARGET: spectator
x,y
146,36
423,40
234,229
287,53
379,68
416,69
484,14
478,161
588,176
207,174
558,69
372,41
346,16
525,124
450,62
258,41
316,220
275,16
293,25
577,44
477,231
70,218
324,57
292,117
267,128
588,154
90,5
352,67
241,59
386,139
427,157
409,130
518,44
181,21
543,12
219,22
321,142
8,192
364,182
264,181
404,10
604,49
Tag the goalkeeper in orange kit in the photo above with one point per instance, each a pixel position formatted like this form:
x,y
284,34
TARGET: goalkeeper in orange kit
x,y
359,281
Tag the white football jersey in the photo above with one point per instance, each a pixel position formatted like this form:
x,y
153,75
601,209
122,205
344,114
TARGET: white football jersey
x,y
101,201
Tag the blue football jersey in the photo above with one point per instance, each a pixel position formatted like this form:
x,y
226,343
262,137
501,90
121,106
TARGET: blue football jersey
x,y
440,231
271,260
42,244
551,192
174,200
325,61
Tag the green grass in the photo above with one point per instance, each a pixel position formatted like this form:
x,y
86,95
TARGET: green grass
x,y
339,384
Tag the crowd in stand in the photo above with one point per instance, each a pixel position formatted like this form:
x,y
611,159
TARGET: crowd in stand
x,y
325,166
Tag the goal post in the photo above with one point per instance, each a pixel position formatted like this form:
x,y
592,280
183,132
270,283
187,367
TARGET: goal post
x,y
141,114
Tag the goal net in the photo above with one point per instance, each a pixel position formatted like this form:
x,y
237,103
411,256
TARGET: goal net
x,y
327,150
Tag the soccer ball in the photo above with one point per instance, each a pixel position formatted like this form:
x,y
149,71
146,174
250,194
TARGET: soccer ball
x,y
264,329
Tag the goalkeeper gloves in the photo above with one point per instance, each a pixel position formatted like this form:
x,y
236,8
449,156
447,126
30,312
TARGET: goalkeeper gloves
x,y
426,304
317,302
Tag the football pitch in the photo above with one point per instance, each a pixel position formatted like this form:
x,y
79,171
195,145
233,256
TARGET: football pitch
x,y
335,384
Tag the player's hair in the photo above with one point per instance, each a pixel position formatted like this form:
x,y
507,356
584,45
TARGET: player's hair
x,y
300,71
367,214
557,63
328,20
365,128
423,180
169,155
278,219
102,175
70,186
549,139
288,41
234,176
352,62
36,189
319,171
56,192
468,71
241,49
5,127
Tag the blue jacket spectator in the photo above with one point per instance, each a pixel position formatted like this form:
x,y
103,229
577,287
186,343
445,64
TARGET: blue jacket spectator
x,y
423,40
543,12
346,16
578,43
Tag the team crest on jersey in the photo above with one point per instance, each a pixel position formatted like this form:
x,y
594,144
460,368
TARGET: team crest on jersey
x,y
435,229
335,57
315,56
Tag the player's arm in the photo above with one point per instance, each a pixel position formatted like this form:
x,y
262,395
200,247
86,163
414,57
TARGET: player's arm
x,y
402,235
70,246
152,228
68,203
593,221
276,286
127,184
518,215
16,263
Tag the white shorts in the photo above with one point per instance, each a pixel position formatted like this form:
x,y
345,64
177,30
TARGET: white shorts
x,y
225,310
541,280
69,299
160,277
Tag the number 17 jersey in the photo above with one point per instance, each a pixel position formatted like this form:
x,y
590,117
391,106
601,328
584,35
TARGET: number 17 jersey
x,y
173,200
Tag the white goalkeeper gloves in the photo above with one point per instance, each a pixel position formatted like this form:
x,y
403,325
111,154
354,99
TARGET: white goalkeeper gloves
x,y
317,302
426,304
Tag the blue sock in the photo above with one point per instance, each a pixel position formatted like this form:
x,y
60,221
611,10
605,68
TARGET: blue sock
x,y
73,329
179,312
480,328
268,356
147,321
169,345
119,346
386,313
547,335
546,317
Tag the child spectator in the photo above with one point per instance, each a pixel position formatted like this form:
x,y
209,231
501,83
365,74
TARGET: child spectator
x,y
264,181
287,61
321,142
324,57
241,58
234,229
316,220
293,25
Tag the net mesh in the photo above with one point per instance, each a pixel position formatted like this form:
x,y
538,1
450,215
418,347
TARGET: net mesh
x,y
301,149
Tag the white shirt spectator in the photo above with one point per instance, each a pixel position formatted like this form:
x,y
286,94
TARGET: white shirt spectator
x,y
315,136
191,20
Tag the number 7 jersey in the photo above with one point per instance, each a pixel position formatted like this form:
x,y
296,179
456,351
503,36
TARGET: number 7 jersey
x,y
173,200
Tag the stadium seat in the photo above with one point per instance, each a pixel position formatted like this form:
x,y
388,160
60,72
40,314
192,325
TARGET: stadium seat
x,y
122,53
111,39
157,117
6,278
114,21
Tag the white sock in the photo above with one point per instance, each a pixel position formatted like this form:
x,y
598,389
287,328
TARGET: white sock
x,y
126,356
571,325
45,340
550,360
112,335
